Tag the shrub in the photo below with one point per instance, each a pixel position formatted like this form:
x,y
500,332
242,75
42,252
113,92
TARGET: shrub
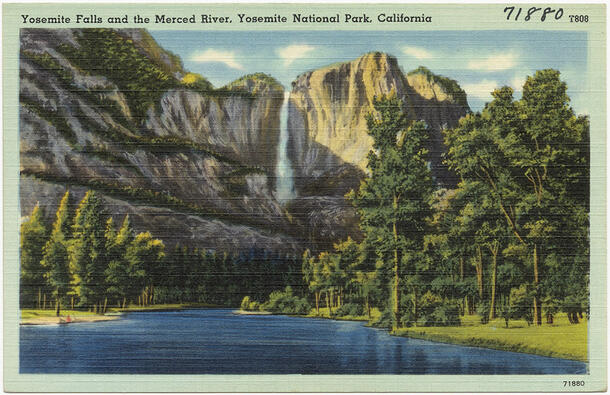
x,y
483,311
436,311
446,315
245,303
521,301
384,320
286,302
353,309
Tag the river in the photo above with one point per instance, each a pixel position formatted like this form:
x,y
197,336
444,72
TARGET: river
x,y
215,341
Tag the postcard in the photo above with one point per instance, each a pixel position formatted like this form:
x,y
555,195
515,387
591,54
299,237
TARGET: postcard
x,y
304,197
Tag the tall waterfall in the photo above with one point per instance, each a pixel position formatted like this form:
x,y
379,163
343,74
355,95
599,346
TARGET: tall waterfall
x,y
284,185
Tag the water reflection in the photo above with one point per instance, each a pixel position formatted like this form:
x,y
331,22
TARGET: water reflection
x,y
218,342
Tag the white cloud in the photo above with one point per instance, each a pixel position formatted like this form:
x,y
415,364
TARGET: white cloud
x,y
481,90
293,52
417,52
517,83
495,62
215,55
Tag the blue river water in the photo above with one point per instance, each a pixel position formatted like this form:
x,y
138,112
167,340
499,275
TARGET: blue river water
x,y
215,341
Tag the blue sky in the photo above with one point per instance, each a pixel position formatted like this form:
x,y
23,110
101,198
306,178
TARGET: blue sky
x,y
479,60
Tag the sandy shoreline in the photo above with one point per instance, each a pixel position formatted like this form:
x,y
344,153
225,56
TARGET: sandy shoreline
x,y
243,312
75,319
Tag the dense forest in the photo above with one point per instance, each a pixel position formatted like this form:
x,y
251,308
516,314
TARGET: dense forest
x,y
511,241
84,260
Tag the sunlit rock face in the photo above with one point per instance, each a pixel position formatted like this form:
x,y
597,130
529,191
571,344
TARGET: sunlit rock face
x,y
329,106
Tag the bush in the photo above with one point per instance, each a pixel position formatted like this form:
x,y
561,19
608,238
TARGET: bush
x,y
521,301
483,311
286,302
245,303
384,320
353,309
446,315
436,311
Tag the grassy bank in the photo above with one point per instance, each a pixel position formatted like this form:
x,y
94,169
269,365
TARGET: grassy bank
x,y
375,313
27,314
560,339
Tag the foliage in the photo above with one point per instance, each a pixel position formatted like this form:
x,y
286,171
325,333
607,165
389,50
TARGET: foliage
x,y
196,82
352,309
55,259
32,276
531,155
141,80
286,302
245,303
393,203
86,251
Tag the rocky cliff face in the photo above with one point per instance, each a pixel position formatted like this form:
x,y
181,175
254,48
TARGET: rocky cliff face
x,y
194,170
111,111
328,108
329,141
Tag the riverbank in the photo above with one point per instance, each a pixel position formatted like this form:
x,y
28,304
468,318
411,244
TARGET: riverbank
x,y
559,340
48,317
246,312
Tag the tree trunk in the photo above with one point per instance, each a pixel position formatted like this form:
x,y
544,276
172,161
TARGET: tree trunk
x,y
124,301
105,302
396,269
465,303
328,304
494,266
72,302
44,301
317,293
479,267
39,299
57,307
368,307
537,303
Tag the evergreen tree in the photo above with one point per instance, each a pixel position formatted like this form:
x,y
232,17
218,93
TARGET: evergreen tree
x,y
32,276
394,201
56,257
87,252
118,270
144,255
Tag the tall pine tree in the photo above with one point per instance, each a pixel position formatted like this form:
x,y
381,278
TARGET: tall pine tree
x,y
32,276
56,256
394,201
87,252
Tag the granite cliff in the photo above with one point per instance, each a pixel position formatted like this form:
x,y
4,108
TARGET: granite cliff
x,y
110,110
189,162
329,140
328,108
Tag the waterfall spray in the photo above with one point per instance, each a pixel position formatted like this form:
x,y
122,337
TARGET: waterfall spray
x,y
284,185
